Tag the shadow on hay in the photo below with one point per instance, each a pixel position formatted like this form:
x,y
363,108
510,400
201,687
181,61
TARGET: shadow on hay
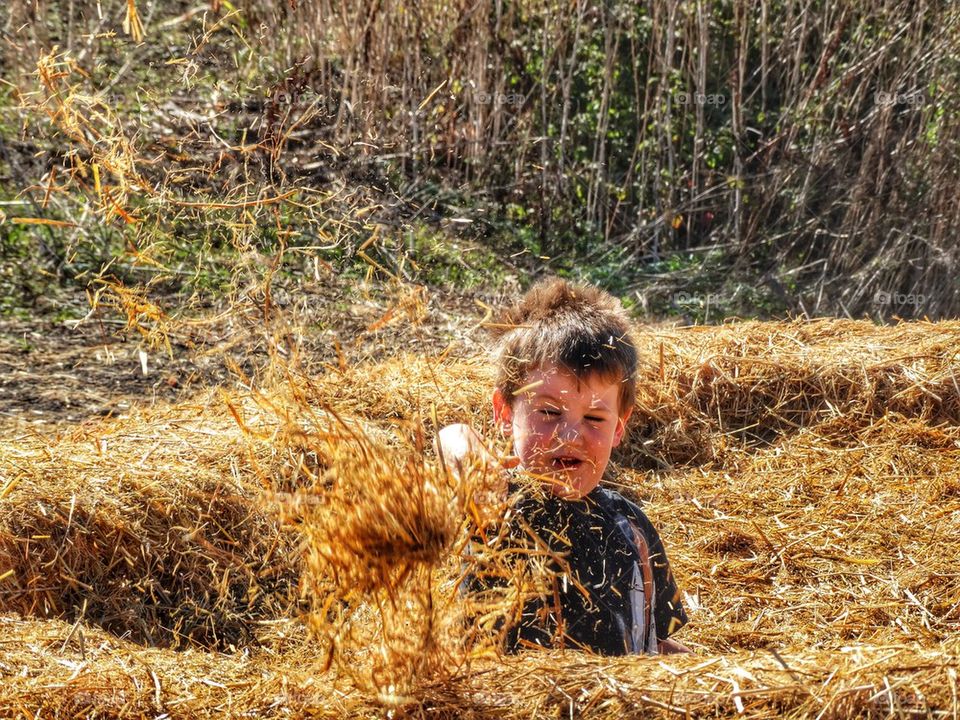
x,y
172,577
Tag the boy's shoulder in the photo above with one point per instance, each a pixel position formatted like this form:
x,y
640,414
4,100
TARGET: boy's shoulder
x,y
615,503
608,498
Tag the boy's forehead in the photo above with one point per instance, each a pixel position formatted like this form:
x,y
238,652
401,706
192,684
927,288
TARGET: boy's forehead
x,y
557,381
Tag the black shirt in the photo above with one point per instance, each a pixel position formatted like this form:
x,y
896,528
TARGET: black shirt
x,y
603,570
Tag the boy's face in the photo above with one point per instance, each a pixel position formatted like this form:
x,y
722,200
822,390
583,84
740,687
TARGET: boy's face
x,y
563,427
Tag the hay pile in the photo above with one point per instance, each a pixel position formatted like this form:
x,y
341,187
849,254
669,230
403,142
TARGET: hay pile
x,y
834,536
702,389
49,667
448,389
151,526
815,537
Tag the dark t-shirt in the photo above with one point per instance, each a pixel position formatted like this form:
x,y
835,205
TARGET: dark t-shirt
x,y
607,575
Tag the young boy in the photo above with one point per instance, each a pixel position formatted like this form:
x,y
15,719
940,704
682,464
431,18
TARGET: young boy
x,y
564,392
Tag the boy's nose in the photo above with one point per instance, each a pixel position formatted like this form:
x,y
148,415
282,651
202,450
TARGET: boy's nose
x,y
568,433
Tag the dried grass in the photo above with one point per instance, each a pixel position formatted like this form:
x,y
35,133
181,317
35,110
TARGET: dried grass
x,y
702,389
111,678
837,535
399,388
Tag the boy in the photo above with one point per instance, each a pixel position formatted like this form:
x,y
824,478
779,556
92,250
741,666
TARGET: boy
x,y
564,392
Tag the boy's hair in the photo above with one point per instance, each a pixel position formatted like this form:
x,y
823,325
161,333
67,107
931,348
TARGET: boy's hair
x,y
578,327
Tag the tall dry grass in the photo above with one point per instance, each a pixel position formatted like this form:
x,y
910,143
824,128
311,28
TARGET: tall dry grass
x,y
809,142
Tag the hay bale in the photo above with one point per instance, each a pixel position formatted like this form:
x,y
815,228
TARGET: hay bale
x,y
818,554
55,669
149,526
702,389
407,386
829,537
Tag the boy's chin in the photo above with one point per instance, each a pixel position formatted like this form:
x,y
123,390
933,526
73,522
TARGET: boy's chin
x,y
563,483
571,488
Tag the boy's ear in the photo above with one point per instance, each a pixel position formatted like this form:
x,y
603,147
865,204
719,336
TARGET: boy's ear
x,y
621,426
502,413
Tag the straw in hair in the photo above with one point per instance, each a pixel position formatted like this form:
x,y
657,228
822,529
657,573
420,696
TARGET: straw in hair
x,y
577,327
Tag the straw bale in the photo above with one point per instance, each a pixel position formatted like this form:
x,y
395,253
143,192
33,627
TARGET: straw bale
x,y
816,538
150,526
831,536
55,669
409,385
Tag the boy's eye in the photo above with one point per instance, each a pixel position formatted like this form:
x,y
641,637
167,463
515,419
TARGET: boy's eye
x,y
549,412
595,419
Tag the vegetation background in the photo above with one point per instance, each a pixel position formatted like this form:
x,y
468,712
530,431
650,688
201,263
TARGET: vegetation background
x,y
701,159
291,217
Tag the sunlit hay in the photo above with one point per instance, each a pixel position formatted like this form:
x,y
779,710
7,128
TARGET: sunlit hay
x,y
819,540
142,315
57,669
702,390
398,388
150,525
104,159
376,523
389,538
378,515
407,302
819,572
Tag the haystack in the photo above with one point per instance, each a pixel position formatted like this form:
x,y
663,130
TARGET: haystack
x,y
816,545
828,538
448,389
59,670
704,389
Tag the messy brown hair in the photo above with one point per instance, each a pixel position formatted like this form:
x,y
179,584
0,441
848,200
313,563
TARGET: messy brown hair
x,y
578,327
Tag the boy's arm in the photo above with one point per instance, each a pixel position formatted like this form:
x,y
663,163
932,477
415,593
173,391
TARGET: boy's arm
x,y
669,612
461,448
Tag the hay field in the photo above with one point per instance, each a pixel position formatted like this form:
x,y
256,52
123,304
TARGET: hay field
x,y
293,550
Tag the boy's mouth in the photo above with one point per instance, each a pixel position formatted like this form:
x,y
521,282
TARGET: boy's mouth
x,y
566,463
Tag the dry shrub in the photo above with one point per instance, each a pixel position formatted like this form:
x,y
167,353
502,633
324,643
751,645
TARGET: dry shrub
x,y
148,525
